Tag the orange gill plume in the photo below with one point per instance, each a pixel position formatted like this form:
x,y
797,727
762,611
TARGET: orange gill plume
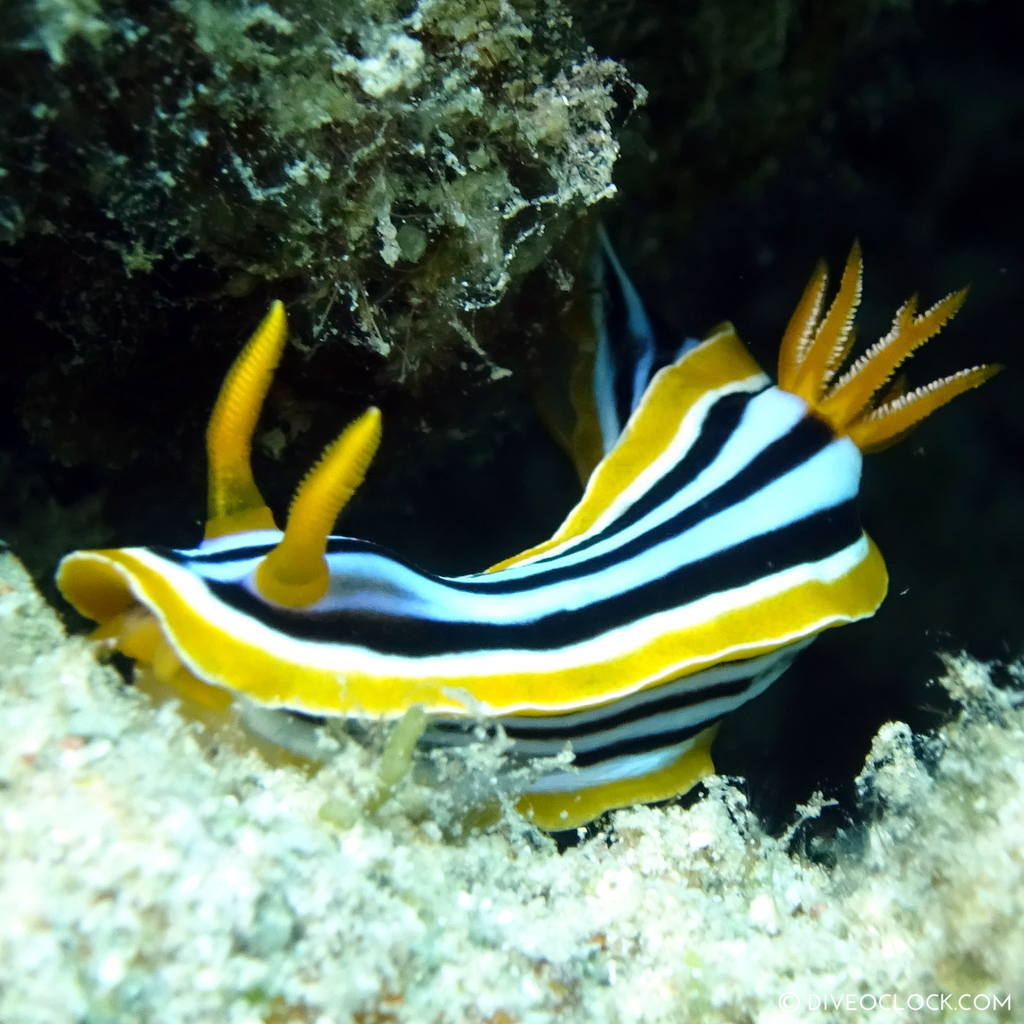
x,y
815,347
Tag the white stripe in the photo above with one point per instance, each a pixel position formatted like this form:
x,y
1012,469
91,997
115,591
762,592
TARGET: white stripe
x,y
371,581
470,668
767,418
629,766
762,672
665,721
247,538
714,676
366,581
830,477
686,434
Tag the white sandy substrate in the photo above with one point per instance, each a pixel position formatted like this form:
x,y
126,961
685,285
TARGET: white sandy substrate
x,y
154,870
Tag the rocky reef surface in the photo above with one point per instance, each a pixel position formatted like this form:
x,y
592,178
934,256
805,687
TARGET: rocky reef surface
x,y
153,869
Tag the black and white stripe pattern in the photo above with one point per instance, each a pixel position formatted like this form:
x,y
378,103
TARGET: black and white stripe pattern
x,y
717,535
619,738
759,499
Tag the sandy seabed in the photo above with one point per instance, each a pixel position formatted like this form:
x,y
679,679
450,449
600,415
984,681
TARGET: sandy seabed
x,y
157,870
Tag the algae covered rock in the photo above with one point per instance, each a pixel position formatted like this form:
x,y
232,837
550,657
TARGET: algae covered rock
x,y
389,168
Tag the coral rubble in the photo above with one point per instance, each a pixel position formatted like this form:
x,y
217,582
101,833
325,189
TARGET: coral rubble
x,y
149,874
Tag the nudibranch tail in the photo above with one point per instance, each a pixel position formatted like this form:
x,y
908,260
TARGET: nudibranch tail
x,y
555,809
720,365
814,349
234,502
295,574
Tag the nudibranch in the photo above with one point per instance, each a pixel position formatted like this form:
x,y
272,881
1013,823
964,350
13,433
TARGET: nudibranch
x,y
717,535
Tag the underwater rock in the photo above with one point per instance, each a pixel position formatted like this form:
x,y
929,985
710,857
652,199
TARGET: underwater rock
x,y
390,169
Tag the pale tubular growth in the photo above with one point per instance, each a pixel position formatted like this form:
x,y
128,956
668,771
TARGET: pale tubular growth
x,y
813,350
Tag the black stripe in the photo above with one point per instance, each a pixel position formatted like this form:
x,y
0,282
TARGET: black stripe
x,y
182,557
805,439
809,540
584,759
674,702
520,727
640,744
718,426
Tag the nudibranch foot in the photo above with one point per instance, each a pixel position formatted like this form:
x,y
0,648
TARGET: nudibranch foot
x,y
664,774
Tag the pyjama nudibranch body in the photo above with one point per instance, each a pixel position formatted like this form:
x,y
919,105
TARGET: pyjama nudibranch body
x,y
717,535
